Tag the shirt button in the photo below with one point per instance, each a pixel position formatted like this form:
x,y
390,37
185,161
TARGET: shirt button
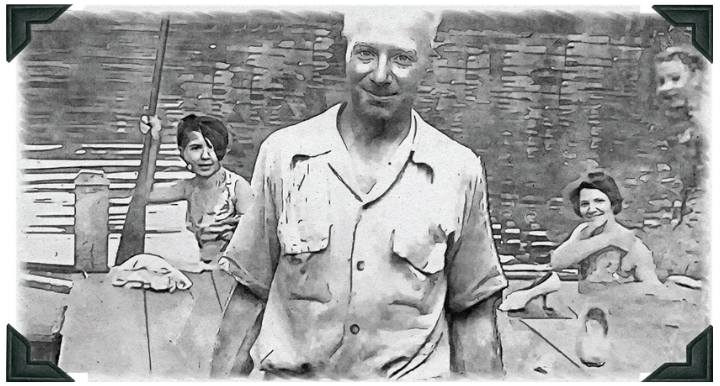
x,y
360,265
354,329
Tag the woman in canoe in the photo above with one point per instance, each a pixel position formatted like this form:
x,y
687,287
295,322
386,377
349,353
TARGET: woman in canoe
x,y
216,199
615,267
606,253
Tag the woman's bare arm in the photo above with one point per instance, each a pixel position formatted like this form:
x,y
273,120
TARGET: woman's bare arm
x,y
243,196
577,249
168,192
641,259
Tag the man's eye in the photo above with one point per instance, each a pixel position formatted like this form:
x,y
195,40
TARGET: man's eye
x,y
365,54
195,147
661,81
675,78
404,60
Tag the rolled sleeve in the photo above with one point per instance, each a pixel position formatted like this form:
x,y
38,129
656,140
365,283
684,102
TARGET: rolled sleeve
x,y
252,254
475,272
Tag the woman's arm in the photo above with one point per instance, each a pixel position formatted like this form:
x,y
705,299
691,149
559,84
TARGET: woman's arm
x,y
168,192
576,249
160,193
640,258
243,196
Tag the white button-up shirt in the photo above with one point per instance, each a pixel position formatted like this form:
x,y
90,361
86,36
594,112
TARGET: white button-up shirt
x,y
357,285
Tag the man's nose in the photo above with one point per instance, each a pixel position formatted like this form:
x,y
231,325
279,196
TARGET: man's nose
x,y
381,73
665,88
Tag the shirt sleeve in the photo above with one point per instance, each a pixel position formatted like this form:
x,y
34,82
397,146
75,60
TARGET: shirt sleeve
x,y
474,272
252,254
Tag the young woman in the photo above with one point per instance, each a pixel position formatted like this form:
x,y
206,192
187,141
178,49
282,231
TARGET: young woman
x,y
617,273
216,197
607,253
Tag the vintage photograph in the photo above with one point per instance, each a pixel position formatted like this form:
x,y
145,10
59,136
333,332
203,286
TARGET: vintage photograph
x,y
362,193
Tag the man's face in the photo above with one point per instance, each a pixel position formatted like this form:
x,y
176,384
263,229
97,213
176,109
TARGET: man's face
x,y
674,82
385,67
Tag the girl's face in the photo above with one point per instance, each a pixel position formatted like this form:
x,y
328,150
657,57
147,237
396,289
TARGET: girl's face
x,y
595,206
200,155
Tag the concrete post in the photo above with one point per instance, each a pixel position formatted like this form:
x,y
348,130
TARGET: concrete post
x,y
92,201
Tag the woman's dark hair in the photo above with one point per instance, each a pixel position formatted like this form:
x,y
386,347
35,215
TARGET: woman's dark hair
x,y
602,182
211,129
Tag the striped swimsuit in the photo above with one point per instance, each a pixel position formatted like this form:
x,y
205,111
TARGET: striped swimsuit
x,y
215,226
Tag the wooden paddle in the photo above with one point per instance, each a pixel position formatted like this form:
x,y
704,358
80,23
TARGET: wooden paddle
x,y
132,240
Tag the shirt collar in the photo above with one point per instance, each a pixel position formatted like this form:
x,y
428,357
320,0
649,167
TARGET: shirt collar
x,y
323,135
326,138
426,146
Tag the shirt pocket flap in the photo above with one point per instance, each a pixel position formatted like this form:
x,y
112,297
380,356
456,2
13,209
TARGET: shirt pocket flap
x,y
303,237
427,255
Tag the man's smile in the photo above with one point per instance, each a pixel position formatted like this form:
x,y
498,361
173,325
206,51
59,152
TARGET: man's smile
x,y
381,95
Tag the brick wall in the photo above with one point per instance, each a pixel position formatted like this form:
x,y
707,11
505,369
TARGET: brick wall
x,y
539,95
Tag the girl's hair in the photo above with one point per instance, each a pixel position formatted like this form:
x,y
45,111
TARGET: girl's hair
x,y
602,182
687,54
211,129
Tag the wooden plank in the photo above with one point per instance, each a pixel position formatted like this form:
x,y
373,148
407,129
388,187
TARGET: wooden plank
x,y
530,275
46,283
40,313
534,271
104,333
183,326
55,268
526,356
565,349
644,332
534,268
167,315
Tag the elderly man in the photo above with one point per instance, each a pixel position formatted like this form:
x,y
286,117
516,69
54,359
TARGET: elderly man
x,y
368,253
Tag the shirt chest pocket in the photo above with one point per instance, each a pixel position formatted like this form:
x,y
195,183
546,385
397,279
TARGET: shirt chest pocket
x,y
421,245
306,196
303,237
302,271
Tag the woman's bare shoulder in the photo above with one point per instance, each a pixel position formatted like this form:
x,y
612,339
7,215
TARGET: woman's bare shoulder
x,y
188,183
639,252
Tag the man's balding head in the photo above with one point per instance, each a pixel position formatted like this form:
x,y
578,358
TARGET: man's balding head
x,y
378,24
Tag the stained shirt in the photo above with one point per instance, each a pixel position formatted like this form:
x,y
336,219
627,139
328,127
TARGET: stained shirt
x,y
357,285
